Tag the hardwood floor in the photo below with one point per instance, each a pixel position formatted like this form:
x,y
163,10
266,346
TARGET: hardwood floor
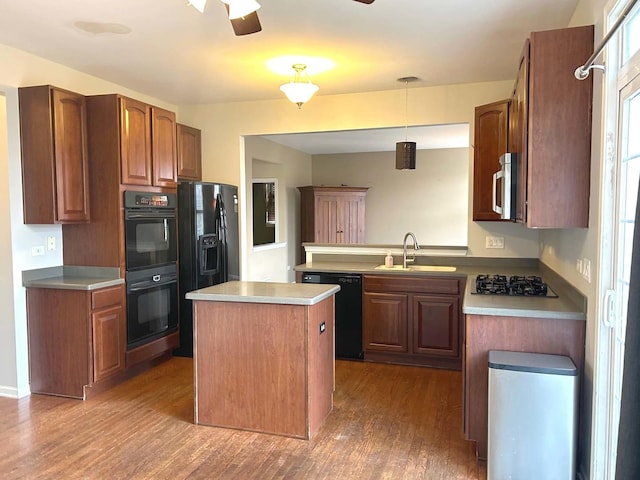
x,y
388,422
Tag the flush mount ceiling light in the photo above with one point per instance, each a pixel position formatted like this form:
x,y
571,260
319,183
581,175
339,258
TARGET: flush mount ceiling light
x,y
241,8
406,151
300,89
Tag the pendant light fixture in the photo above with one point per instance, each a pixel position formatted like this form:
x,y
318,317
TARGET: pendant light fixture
x,y
300,89
241,8
406,151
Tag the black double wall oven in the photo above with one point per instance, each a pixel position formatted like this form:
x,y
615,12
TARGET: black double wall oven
x,y
151,248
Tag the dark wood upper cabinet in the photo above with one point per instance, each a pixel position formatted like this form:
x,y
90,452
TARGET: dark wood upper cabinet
x,y
552,125
147,144
53,139
490,141
517,136
547,124
135,142
163,136
189,141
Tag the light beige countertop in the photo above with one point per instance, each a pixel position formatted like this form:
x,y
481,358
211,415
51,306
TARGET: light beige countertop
x,y
72,278
570,303
265,292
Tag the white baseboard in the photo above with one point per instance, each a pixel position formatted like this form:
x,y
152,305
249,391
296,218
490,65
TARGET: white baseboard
x,y
13,392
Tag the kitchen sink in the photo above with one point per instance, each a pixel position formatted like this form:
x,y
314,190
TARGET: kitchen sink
x,y
418,268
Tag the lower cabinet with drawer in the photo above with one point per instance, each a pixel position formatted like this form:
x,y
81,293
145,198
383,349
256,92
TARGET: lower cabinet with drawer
x,y
413,320
77,339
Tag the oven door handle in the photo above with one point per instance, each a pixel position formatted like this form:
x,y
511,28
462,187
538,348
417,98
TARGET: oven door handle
x,y
150,215
147,285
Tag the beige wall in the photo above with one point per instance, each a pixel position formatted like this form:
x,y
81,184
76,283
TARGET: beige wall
x,y
292,168
430,201
7,326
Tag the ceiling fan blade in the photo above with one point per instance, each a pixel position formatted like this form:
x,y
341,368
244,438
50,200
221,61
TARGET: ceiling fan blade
x,y
245,25
368,2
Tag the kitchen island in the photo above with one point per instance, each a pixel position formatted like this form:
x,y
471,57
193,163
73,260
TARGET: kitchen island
x,y
264,356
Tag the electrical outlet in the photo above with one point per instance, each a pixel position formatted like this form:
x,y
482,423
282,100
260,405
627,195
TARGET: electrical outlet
x,y
37,251
51,243
494,242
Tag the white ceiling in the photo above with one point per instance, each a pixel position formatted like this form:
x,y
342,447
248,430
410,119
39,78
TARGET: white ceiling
x,y
176,54
375,140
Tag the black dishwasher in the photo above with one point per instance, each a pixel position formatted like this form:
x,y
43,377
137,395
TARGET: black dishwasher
x,y
348,311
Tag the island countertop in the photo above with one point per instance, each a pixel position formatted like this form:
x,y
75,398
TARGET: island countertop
x,y
265,292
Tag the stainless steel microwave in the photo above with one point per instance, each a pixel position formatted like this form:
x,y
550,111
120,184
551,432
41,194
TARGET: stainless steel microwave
x,y
504,187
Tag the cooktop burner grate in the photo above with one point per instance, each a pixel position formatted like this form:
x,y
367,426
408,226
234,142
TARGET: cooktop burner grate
x,y
515,285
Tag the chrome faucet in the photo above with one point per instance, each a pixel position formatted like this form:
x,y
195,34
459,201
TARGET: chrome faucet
x,y
406,260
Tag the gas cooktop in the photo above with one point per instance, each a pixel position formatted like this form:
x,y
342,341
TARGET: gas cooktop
x,y
514,285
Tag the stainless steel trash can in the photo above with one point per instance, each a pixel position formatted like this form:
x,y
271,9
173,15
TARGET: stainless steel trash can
x,y
532,416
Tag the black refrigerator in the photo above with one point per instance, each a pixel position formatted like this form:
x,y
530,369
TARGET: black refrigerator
x,y
208,246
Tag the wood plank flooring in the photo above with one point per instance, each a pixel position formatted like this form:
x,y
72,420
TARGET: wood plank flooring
x,y
388,422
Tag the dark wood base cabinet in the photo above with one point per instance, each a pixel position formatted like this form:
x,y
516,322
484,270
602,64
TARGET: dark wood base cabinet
x,y
520,334
77,339
413,320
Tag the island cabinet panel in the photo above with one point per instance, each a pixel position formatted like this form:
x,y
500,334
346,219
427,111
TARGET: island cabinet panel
x,y
490,134
264,367
189,145
521,334
53,139
413,320
77,339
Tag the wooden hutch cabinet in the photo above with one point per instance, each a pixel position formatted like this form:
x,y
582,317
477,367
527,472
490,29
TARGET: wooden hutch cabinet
x,y
189,142
332,214
53,140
